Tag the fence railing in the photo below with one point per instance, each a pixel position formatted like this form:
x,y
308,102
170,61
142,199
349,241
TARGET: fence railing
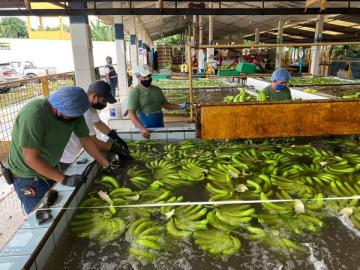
x,y
15,94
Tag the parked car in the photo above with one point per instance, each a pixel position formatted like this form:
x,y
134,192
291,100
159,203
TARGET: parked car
x,y
7,74
28,70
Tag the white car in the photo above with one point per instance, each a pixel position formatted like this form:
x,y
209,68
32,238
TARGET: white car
x,y
28,70
7,74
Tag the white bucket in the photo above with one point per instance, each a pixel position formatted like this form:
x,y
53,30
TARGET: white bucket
x,y
114,111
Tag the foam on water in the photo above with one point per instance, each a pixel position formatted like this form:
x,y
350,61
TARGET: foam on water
x,y
318,265
348,224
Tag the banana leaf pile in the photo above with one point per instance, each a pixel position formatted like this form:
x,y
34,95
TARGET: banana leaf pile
x,y
300,175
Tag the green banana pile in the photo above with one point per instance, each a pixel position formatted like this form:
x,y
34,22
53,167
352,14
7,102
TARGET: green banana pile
x,y
242,96
302,176
356,95
262,97
145,239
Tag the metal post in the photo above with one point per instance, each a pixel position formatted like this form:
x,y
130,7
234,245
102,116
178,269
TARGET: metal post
x,y
315,51
279,41
190,83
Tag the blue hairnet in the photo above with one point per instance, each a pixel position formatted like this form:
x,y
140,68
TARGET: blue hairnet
x,y
70,100
281,74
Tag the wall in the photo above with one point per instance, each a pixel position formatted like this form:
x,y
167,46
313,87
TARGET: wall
x,y
53,53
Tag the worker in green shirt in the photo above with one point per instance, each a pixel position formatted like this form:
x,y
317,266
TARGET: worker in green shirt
x,y
40,133
145,103
278,90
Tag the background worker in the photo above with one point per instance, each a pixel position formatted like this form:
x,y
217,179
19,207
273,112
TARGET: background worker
x,y
145,103
111,75
99,94
278,90
40,133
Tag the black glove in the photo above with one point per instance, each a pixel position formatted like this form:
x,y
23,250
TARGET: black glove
x,y
113,135
75,180
109,171
120,151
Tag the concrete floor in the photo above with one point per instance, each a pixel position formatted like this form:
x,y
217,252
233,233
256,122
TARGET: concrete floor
x,y
12,215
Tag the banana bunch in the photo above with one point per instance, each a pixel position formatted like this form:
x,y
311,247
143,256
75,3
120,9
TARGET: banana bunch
x,y
154,195
262,97
340,168
242,96
353,158
272,238
337,206
293,186
145,243
109,181
192,172
187,219
249,156
282,208
355,217
142,155
232,216
140,178
98,226
344,189
125,194
298,150
229,99
168,210
217,242
160,165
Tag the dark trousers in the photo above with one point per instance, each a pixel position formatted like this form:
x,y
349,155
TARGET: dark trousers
x,y
31,190
113,84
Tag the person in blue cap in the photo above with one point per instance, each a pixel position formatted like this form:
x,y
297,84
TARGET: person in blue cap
x,y
99,94
40,133
278,90
146,101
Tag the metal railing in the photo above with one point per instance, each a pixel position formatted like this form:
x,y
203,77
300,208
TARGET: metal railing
x,y
15,94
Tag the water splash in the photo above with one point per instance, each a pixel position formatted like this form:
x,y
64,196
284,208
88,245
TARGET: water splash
x,y
348,224
318,265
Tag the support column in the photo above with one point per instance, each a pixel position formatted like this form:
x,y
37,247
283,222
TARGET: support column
x,y
210,51
257,35
140,45
121,57
201,37
133,45
82,49
315,50
279,41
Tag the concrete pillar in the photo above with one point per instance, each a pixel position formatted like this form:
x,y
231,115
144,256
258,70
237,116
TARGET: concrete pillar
x,y
315,50
140,45
279,41
82,49
133,44
189,32
121,56
257,35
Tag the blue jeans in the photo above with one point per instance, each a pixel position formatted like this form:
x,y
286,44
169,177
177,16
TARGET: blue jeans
x,y
113,84
31,190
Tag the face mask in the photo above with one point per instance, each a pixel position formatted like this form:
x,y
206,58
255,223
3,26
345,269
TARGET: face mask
x,y
98,106
280,87
146,83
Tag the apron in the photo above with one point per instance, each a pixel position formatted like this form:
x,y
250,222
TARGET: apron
x,y
151,120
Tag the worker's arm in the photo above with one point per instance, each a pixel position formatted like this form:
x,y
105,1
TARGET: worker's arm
x,y
172,106
34,161
90,147
101,145
102,127
135,120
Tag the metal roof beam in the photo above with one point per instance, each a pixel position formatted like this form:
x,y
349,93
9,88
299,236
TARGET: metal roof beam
x,y
173,11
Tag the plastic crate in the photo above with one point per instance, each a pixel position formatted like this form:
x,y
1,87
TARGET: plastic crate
x,y
159,76
228,72
245,67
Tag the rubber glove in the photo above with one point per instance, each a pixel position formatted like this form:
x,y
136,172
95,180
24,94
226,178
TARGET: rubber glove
x,y
183,105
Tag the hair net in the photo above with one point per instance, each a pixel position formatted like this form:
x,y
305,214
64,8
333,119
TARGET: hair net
x,y
281,74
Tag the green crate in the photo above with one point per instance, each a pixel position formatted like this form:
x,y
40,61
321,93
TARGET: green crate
x,y
159,76
228,72
245,67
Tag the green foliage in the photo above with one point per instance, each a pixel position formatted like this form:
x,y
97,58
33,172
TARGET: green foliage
x,y
170,40
101,32
12,27
345,51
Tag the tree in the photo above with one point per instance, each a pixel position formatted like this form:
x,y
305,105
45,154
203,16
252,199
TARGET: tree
x,y
101,32
12,27
170,40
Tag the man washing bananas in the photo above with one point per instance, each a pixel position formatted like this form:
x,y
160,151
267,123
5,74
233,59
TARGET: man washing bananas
x,y
278,89
145,103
